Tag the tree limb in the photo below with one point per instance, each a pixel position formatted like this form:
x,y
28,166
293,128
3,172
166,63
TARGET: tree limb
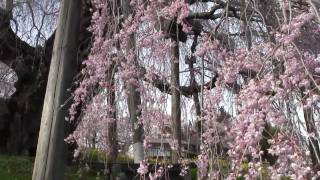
x,y
164,86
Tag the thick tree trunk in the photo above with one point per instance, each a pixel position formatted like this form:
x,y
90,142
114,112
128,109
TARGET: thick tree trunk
x,y
195,95
313,142
9,6
134,101
269,12
20,123
112,126
50,159
175,101
22,117
196,100
245,26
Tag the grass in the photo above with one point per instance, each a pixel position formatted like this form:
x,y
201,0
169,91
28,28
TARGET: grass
x,y
75,173
15,168
20,168
193,172
99,156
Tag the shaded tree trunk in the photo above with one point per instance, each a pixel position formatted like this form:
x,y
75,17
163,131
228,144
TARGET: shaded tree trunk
x,y
21,121
51,150
195,95
112,126
175,101
245,26
313,142
134,101
9,6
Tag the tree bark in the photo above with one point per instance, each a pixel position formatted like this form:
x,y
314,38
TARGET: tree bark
x,y
195,95
245,26
134,100
9,6
112,126
51,150
313,142
175,101
22,118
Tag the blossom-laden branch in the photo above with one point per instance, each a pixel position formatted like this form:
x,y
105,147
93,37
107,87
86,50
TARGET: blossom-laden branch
x,y
268,76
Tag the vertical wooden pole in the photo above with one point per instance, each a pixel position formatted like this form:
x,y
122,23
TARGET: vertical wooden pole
x,y
51,149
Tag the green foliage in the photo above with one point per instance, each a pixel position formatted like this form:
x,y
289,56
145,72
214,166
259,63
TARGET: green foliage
x,y
224,166
194,173
268,133
93,155
15,168
123,158
100,156
20,168
158,161
263,172
75,173
285,178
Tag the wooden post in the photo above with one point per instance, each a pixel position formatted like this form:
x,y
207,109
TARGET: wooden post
x,y
51,149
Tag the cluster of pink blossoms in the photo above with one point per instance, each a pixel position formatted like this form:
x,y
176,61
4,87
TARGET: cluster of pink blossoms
x,y
268,75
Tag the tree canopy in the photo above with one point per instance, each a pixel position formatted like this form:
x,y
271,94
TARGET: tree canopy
x,y
240,77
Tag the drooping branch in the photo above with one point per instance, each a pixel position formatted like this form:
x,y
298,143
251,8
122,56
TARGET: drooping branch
x,y
206,15
164,86
197,1
232,12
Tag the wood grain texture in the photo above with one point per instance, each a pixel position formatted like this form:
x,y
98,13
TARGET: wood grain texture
x,y
50,158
